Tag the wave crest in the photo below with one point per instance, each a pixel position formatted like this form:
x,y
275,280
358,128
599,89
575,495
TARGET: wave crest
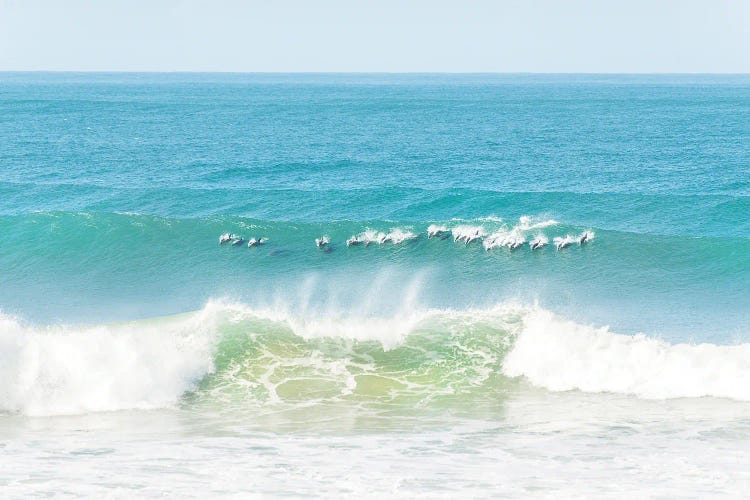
x,y
561,355
67,370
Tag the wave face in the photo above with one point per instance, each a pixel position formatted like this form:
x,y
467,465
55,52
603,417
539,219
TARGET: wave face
x,y
97,267
231,355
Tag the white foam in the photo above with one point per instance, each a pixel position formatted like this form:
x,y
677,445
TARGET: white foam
x,y
436,230
395,236
510,239
68,370
398,236
527,223
367,237
563,241
585,237
493,240
560,355
353,241
372,236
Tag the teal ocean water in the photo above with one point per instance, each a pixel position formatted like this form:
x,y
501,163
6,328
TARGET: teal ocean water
x,y
437,352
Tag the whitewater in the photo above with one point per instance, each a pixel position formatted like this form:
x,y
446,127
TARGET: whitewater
x,y
417,356
374,286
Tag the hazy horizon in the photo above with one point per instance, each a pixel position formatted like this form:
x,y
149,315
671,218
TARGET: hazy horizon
x,y
334,36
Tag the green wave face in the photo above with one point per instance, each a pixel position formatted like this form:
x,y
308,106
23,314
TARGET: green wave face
x,y
442,361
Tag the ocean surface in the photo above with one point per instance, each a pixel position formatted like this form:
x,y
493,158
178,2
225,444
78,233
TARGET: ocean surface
x,y
139,357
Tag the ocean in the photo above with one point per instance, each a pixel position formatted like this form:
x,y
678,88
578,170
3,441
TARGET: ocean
x,y
530,285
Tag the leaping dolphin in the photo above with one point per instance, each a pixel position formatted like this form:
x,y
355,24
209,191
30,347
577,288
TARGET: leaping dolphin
x,y
516,243
473,237
537,243
437,231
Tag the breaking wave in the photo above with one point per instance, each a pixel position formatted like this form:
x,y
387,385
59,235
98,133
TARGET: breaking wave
x,y
232,353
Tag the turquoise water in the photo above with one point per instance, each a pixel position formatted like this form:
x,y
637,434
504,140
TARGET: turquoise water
x,y
114,189
117,297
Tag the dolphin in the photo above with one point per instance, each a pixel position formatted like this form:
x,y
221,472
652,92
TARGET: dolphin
x,y
537,243
252,242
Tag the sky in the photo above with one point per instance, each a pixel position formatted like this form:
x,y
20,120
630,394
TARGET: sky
x,y
542,36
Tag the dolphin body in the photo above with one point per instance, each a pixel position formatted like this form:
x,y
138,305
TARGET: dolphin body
x,y
516,243
537,243
474,237
561,243
469,238
437,232
253,242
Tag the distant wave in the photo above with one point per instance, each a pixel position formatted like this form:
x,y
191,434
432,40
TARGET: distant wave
x,y
232,353
655,214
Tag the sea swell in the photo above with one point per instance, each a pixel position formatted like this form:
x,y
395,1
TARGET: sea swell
x,y
655,214
100,267
69,228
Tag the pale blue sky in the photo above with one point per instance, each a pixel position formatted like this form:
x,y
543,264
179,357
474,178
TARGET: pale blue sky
x,y
386,35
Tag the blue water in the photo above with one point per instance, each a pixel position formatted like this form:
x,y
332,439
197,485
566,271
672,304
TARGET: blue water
x,y
115,187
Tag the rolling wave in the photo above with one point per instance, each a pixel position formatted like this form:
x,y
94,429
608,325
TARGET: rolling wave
x,y
655,214
232,353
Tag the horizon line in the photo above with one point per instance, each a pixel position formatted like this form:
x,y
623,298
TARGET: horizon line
x,y
167,72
